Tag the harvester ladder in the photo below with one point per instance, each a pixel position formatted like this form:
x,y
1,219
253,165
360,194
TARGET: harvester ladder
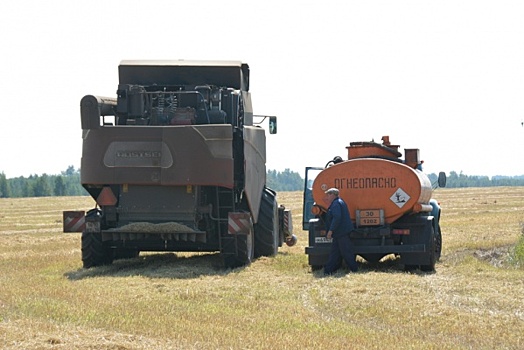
x,y
225,204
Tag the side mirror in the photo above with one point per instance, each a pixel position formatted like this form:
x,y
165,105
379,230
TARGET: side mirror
x,y
442,179
272,125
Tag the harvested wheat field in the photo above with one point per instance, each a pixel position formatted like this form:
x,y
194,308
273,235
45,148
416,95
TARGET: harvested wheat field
x,y
474,300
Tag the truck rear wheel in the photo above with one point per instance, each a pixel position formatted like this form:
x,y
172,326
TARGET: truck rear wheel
x,y
267,239
94,253
438,243
432,253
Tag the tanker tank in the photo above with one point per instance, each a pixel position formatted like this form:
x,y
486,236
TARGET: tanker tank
x,y
376,183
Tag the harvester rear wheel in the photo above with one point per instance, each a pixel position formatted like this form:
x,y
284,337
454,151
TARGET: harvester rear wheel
x,y
243,251
94,253
266,230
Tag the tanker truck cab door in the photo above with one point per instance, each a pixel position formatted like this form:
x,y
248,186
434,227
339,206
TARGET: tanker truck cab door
x,y
311,174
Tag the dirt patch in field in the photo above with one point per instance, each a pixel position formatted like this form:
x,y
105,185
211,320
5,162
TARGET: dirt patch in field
x,y
498,256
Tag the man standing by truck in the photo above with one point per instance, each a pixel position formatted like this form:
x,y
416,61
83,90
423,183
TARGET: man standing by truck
x,y
338,227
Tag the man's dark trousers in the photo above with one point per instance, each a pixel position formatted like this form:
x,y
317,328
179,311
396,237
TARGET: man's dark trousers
x,y
341,248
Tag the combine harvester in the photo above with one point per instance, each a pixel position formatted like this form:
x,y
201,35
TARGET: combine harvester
x,y
176,162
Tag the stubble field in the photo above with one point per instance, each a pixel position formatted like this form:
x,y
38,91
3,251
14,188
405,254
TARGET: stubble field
x,y
474,300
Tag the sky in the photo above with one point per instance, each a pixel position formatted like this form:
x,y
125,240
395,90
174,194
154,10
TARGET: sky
x,y
446,77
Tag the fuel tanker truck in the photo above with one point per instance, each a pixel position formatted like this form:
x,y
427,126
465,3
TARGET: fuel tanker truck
x,y
389,200
176,162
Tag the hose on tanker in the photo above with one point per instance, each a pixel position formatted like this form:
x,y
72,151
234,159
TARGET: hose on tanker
x,y
339,159
334,161
383,157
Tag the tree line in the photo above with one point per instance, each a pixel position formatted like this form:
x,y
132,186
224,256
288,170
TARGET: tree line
x,y
292,181
65,184
456,180
68,183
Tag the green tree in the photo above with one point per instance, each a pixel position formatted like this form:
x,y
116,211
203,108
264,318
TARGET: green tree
x,y
4,187
284,181
28,189
42,188
60,188
70,171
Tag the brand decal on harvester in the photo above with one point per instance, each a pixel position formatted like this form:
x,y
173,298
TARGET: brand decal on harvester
x,y
139,154
366,182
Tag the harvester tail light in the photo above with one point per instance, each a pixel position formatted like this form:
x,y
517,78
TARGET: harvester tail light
x,y
400,231
106,197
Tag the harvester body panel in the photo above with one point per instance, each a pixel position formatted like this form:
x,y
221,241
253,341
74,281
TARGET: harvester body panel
x,y
255,173
155,155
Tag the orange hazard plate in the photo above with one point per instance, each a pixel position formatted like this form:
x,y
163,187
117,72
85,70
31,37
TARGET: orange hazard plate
x,y
370,217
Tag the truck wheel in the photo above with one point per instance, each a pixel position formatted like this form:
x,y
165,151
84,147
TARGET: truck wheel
x,y
438,243
94,253
409,268
432,253
317,262
266,229
244,251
